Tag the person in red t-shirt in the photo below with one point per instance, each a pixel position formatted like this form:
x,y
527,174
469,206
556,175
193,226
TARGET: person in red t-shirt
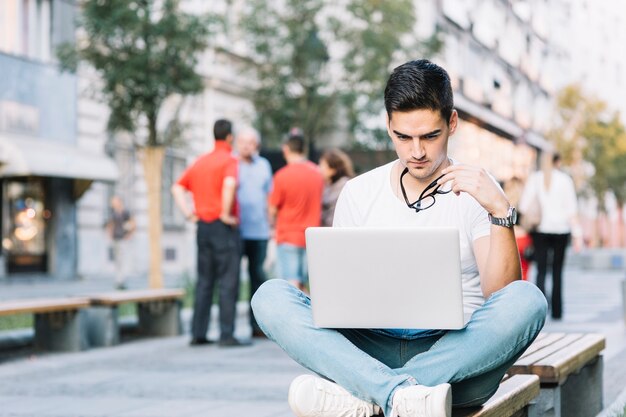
x,y
212,180
294,205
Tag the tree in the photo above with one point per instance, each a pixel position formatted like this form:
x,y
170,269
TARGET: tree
x,y
315,59
145,51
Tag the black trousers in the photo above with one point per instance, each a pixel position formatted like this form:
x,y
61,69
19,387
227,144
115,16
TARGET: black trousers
x,y
218,262
256,252
550,249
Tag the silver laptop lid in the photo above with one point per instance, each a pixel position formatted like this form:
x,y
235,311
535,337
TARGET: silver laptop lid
x,y
385,277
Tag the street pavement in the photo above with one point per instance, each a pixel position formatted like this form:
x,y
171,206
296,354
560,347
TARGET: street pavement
x,y
167,377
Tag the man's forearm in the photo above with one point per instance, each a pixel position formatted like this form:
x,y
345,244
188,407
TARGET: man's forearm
x,y
503,263
271,214
228,196
179,198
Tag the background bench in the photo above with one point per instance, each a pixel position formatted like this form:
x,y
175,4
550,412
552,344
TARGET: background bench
x,y
57,321
513,399
569,367
158,311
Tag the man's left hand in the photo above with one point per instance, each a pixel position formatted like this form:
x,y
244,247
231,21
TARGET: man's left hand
x,y
480,185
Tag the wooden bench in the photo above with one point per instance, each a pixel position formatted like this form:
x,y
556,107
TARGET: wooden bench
x,y
569,367
57,321
514,398
158,311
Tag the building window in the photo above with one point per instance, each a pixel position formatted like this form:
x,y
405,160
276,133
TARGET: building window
x,y
173,167
25,28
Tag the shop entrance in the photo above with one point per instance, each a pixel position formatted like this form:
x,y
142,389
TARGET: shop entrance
x,y
24,216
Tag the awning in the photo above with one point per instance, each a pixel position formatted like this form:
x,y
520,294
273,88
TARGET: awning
x,y
538,141
23,156
487,116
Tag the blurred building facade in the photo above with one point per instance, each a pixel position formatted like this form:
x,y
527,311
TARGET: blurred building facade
x,y
504,59
44,167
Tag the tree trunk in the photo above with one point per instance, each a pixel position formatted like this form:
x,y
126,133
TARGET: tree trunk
x,y
152,167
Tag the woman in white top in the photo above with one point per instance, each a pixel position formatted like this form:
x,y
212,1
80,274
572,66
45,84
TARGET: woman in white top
x,y
559,221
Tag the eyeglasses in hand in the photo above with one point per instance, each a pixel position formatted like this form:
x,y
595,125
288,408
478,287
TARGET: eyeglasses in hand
x,y
426,198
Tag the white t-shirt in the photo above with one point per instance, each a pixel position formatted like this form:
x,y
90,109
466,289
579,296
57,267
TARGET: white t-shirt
x,y
368,200
558,203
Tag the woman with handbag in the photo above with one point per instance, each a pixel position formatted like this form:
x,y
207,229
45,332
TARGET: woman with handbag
x,y
548,209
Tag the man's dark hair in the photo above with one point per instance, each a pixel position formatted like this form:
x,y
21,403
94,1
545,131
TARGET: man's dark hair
x,y
418,85
222,128
295,141
556,158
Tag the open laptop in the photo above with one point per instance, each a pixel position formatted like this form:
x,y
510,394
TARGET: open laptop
x,y
386,278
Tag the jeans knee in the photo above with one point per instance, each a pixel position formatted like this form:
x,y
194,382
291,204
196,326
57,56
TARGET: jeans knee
x,y
521,306
533,301
265,300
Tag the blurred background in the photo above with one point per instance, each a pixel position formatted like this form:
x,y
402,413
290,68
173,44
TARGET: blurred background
x,y
90,90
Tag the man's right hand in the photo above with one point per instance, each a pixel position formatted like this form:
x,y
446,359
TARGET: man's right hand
x,y
229,220
192,218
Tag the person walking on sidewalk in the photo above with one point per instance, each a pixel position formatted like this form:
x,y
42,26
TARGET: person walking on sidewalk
x,y
409,372
255,184
212,181
294,205
559,222
120,228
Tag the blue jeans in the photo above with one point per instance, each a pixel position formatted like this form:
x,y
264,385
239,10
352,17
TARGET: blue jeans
x,y
372,365
292,262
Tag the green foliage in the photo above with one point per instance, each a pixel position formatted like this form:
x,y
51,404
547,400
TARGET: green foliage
x,y
16,321
586,131
145,51
323,65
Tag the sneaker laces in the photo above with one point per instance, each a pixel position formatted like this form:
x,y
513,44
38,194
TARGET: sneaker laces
x,y
409,406
344,403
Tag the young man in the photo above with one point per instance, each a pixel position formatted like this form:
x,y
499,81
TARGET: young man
x,y
410,373
255,184
295,204
212,180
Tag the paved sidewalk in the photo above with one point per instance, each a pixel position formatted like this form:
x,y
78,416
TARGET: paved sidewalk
x,y
166,377
158,377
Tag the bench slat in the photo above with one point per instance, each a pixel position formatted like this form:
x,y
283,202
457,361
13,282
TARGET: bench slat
x,y
42,305
523,364
512,395
120,297
557,367
543,340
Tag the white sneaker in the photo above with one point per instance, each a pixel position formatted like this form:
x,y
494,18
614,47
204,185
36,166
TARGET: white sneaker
x,y
422,401
311,396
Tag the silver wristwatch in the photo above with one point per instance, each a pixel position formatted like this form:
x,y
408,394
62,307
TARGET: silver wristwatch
x,y
508,221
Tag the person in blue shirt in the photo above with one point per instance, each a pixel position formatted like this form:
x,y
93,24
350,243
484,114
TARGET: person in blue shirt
x,y
255,184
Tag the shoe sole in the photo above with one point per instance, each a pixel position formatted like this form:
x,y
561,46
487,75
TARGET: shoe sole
x,y
295,384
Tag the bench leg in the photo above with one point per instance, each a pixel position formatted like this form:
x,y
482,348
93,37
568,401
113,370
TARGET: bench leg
x,y
547,404
160,318
582,392
59,331
579,396
102,326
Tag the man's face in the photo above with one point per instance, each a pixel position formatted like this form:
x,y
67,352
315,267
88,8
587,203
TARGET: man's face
x,y
247,145
420,138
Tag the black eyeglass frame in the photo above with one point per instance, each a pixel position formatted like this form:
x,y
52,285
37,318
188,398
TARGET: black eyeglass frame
x,y
425,194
